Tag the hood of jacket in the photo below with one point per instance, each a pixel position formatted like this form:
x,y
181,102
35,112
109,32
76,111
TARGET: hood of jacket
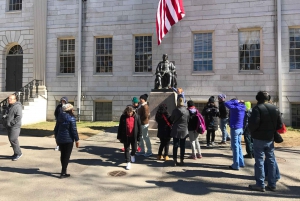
x,y
65,99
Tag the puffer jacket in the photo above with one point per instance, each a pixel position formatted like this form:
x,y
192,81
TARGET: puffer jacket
x,y
65,129
224,111
137,129
163,129
180,118
211,114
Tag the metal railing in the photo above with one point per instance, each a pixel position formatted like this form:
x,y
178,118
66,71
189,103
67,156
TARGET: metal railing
x,y
23,94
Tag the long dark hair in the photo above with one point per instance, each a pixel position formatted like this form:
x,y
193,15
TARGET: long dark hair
x,y
162,109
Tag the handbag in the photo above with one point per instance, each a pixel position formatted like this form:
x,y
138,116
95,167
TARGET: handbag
x,y
282,130
277,138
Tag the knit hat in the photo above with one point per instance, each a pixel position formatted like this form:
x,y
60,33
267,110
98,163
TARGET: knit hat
x,y
180,102
144,97
222,97
248,105
211,99
190,103
67,107
135,100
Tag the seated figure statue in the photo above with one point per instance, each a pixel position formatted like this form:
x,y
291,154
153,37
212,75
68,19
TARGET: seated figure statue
x,y
165,74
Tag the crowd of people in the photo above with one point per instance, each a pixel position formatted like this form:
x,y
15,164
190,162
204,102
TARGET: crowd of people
x,y
257,124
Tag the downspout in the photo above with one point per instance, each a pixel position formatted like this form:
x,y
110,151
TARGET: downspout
x,y
79,59
279,59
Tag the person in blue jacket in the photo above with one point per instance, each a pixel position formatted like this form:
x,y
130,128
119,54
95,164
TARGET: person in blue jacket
x,y
65,135
237,112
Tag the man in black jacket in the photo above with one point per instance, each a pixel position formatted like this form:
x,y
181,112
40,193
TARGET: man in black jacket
x,y
264,121
224,113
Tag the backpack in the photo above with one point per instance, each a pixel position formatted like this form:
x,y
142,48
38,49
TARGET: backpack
x,y
201,128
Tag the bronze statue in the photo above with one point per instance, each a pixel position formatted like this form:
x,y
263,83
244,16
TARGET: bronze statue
x,y
165,74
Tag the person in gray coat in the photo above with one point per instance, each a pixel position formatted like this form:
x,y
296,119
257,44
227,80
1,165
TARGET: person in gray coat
x,y
180,118
12,122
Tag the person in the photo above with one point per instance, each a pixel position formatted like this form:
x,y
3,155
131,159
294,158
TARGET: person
x,y
180,93
165,70
58,110
211,114
264,121
247,135
162,117
129,133
237,112
224,113
180,118
192,126
12,122
144,114
135,105
65,135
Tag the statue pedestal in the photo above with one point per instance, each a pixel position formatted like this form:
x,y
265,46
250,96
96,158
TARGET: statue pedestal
x,y
157,97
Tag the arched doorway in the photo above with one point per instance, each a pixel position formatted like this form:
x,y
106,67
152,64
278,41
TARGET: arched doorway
x,y
14,68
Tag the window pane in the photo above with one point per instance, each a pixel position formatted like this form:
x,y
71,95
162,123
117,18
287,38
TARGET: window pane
x,y
294,48
203,52
103,111
67,56
249,45
15,5
104,55
143,54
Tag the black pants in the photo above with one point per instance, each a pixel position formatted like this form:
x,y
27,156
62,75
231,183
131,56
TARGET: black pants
x,y
130,141
164,144
176,143
65,153
213,135
249,143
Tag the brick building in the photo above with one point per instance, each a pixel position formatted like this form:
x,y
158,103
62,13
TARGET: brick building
x,y
221,46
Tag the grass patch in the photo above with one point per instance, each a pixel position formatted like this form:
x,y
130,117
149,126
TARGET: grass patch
x,y
292,129
85,128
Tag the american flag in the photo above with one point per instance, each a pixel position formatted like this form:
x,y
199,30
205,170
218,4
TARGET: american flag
x,y
169,12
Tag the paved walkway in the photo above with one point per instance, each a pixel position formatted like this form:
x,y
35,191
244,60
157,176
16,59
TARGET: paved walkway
x,y
35,175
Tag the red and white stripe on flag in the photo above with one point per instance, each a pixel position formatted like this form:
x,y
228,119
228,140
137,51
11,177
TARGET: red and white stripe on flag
x,y
169,12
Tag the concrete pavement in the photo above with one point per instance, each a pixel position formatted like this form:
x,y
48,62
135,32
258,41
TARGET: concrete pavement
x,y
35,175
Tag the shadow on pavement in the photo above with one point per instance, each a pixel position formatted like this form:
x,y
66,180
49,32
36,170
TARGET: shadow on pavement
x,y
203,188
36,148
286,149
5,157
33,171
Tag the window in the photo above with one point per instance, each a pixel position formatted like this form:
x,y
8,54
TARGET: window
x,y
200,106
143,54
103,111
295,48
203,60
295,115
249,45
104,61
67,56
14,5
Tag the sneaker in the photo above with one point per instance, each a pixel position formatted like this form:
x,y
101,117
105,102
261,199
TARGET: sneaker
x,y
140,153
167,158
17,157
56,148
199,155
212,143
192,157
208,145
132,159
222,142
160,157
148,154
13,156
64,176
128,166
138,149
230,167
271,188
257,188
228,139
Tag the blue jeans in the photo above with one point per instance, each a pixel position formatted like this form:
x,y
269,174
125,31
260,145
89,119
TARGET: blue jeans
x,y
265,149
238,158
277,173
223,124
145,137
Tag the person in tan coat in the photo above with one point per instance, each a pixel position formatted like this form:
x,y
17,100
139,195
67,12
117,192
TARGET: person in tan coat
x,y
144,114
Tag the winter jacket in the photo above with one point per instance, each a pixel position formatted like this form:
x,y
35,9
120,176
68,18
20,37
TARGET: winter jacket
x,y
264,121
224,111
237,113
13,117
180,118
137,130
246,120
58,109
163,129
65,129
211,114
193,120
144,113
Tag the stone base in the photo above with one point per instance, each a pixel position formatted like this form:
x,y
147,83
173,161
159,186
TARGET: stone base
x,y
158,97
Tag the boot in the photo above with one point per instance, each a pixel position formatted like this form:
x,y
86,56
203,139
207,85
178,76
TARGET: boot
x,y
166,158
181,162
